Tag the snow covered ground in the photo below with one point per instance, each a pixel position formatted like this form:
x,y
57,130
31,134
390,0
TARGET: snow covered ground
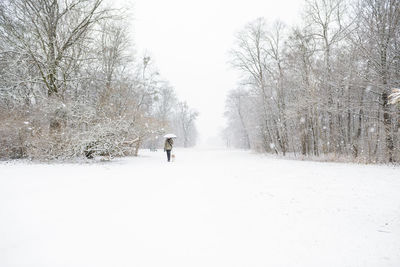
x,y
209,208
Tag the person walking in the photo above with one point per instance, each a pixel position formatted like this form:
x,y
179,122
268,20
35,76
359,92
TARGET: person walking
x,y
168,147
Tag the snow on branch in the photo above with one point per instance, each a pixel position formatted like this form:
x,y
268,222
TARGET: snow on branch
x,y
394,97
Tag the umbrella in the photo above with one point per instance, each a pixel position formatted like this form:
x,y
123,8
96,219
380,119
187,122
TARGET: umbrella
x,y
170,135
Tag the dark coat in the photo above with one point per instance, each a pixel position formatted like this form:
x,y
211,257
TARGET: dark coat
x,y
168,144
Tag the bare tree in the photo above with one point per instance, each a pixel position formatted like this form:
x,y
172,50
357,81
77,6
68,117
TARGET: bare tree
x,y
238,117
382,20
47,31
185,119
321,88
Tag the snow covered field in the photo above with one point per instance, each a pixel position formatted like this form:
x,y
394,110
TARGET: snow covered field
x,y
209,208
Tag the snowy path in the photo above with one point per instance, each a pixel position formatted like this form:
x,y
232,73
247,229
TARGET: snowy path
x,y
209,208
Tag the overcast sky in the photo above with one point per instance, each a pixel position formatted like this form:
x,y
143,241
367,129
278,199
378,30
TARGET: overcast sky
x,y
190,40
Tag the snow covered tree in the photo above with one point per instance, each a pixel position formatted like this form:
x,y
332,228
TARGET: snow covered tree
x,y
321,88
71,85
185,118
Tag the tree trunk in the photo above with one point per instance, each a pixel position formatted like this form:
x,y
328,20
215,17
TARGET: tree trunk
x,y
387,123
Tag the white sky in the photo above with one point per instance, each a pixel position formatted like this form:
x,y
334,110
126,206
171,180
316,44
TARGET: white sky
x,y
189,42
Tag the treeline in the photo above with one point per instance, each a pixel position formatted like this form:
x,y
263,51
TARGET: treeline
x,y
321,88
71,85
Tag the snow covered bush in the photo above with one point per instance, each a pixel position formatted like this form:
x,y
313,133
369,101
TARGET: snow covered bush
x,y
13,134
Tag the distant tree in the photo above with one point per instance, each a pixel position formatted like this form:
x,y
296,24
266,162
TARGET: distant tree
x,y
237,105
186,120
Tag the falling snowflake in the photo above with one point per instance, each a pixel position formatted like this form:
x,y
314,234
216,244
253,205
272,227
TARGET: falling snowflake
x,y
272,145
